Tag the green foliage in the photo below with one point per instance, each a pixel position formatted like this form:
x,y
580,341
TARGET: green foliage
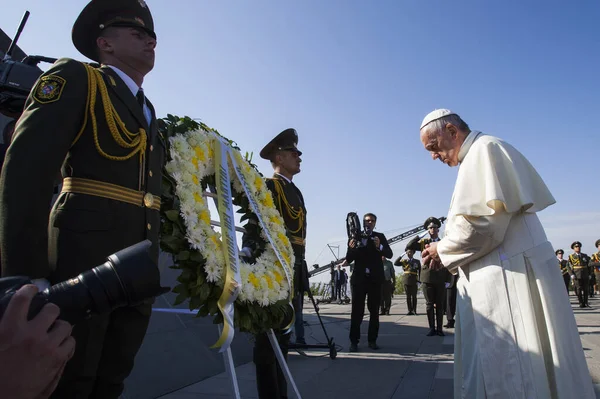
x,y
192,283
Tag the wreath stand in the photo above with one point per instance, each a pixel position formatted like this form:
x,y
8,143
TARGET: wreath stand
x,y
227,356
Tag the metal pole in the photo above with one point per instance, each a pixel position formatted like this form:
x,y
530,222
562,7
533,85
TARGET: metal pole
x,y
282,362
230,369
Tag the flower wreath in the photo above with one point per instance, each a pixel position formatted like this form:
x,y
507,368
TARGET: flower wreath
x,y
186,231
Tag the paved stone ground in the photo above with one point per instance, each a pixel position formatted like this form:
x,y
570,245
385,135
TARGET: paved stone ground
x,y
408,365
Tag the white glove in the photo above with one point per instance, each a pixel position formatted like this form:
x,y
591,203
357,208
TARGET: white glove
x,y
246,252
41,283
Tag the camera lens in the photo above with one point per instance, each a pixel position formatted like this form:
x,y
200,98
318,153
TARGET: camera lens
x,y
127,278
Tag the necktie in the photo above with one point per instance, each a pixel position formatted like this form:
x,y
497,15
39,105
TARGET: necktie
x,y
141,98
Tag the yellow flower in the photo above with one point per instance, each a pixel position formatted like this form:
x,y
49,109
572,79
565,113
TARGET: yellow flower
x,y
215,240
195,161
269,281
278,276
211,150
199,198
200,154
195,180
257,181
253,280
268,201
276,220
204,216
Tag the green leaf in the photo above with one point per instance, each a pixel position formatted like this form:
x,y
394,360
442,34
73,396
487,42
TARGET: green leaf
x,y
179,299
173,215
183,255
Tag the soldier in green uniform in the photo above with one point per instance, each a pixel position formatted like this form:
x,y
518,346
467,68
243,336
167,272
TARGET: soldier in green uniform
x,y
595,264
410,278
93,124
579,263
434,280
284,155
564,267
388,286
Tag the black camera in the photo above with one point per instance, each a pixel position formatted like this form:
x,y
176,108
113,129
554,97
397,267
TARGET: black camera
x,y
354,230
18,78
127,278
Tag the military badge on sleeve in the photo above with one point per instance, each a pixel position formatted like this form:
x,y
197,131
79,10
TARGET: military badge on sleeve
x,y
49,89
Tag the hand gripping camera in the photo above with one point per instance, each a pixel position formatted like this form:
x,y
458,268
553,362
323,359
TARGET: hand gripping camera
x,y
127,278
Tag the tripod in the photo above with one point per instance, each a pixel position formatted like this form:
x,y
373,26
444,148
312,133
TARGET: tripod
x,y
330,344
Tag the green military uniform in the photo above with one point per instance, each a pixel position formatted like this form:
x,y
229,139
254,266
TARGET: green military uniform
x,y
410,278
595,263
434,281
87,123
564,269
581,269
289,202
387,288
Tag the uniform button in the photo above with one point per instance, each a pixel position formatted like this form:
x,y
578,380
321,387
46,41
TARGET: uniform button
x,y
150,173
149,226
151,147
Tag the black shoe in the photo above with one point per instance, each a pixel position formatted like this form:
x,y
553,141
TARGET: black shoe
x,y
373,345
450,324
353,347
300,342
431,333
440,333
415,313
387,313
410,314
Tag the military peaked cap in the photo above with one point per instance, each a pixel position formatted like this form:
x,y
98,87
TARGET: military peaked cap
x,y
101,14
559,251
284,141
576,243
432,221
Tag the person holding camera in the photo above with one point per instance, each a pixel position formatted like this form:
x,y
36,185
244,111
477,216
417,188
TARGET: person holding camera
x,y
284,155
93,122
367,278
33,353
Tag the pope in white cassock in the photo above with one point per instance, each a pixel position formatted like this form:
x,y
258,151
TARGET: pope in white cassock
x,y
516,335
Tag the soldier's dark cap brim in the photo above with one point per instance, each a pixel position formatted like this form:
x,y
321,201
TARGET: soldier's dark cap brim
x,y
432,220
101,14
284,141
576,243
559,251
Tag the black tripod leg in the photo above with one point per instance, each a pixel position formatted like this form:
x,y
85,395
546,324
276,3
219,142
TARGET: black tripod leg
x,y
318,315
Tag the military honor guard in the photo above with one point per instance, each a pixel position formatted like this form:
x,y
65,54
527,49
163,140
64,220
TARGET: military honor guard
x,y
411,276
434,280
564,267
595,264
95,125
579,263
284,155
389,284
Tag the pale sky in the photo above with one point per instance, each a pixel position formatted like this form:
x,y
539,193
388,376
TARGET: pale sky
x,y
355,79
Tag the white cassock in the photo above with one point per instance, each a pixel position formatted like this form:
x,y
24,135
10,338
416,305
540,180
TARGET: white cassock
x,y
516,335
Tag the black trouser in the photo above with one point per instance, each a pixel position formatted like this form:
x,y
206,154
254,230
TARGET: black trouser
x,y
338,291
451,302
567,279
372,291
106,346
435,295
387,289
582,287
411,297
270,380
